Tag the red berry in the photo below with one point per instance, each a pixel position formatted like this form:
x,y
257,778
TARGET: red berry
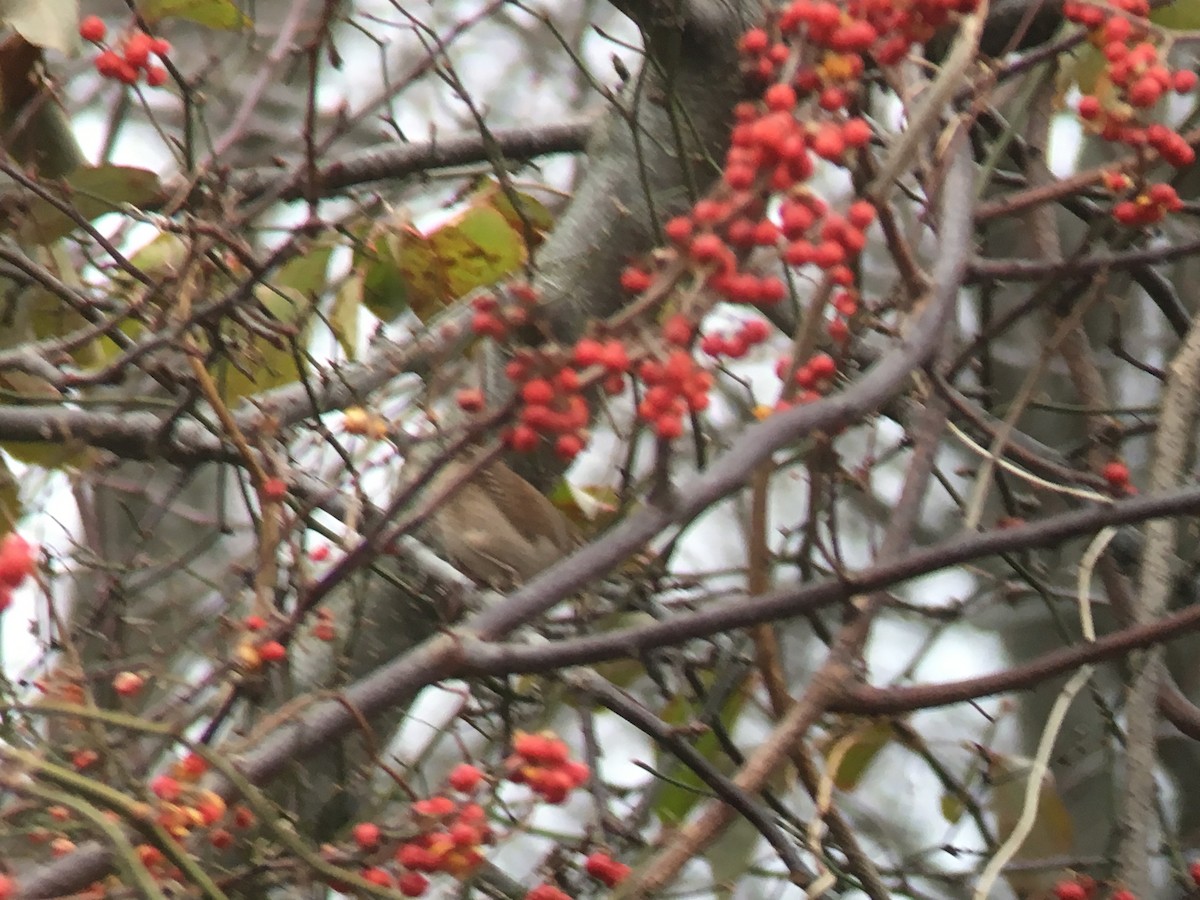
x,y
755,330
1116,473
464,778
164,787
470,399
137,49
754,41
546,892
537,391
1126,212
1145,92
17,561
605,869
193,766
412,884
856,133
93,29
1183,81
679,229
523,439
613,357
1194,871
770,290
1070,890
780,97
156,76
378,876
160,46
568,446
706,248
567,380
677,330
272,651
829,142
366,835
274,489
635,280
860,214
822,365
488,324
436,807
1089,107
254,623
587,352
128,684
668,426
709,212
108,63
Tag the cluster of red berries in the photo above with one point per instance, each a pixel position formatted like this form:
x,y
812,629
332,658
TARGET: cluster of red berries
x,y
750,333
674,387
813,378
543,763
450,834
182,805
773,153
134,57
17,562
1084,887
1135,79
1150,205
253,654
450,838
552,406
496,320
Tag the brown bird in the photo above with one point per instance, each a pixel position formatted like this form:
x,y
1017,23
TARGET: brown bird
x,y
497,527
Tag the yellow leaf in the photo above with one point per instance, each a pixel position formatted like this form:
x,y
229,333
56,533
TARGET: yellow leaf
x,y
1053,832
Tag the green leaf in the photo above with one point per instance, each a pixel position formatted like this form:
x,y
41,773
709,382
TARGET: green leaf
x,y
528,213
343,314
290,297
91,191
478,247
1183,15
211,13
952,808
53,24
854,752
376,265
36,130
676,800
1052,835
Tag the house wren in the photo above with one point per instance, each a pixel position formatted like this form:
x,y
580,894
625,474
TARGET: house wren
x,y
497,527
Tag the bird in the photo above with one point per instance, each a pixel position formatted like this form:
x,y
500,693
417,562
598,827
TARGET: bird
x,y
498,528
